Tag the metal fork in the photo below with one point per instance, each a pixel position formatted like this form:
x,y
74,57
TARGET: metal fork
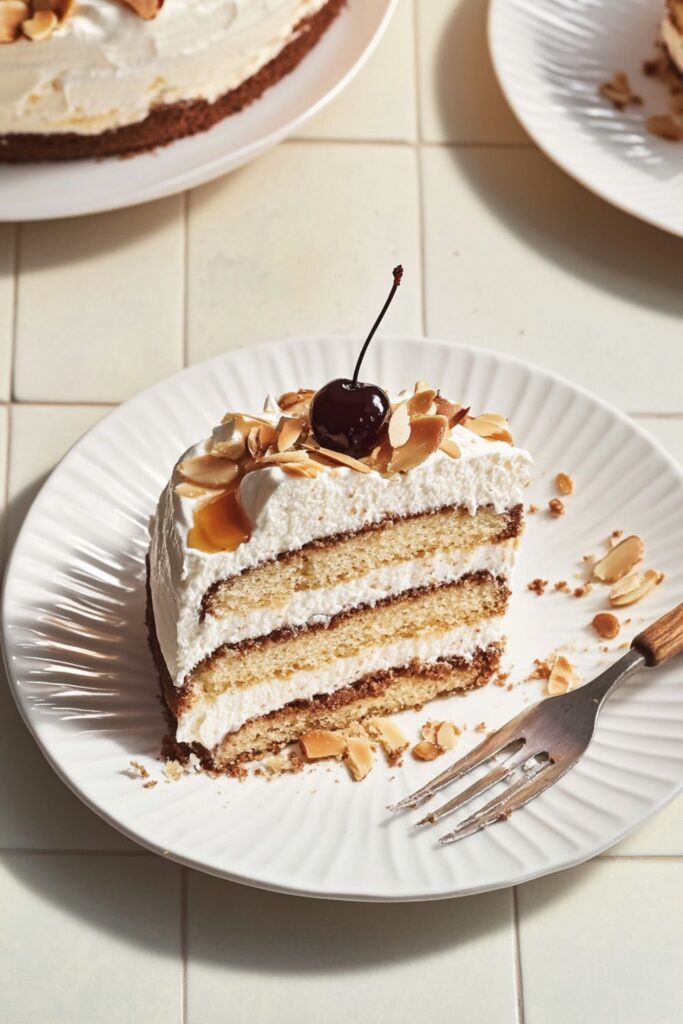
x,y
544,741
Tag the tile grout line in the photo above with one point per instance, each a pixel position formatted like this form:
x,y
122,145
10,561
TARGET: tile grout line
x,y
517,957
186,272
184,883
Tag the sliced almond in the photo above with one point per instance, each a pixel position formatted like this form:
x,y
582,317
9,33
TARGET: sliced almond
x,y
428,731
564,483
490,426
399,426
664,126
186,490
228,441
270,406
341,458
422,402
302,469
40,26
421,385
446,736
450,448
146,8
209,471
389,735
426,751
12,14
619,560
275,458
562,676
453,412
296,403
322,743
634,588
288,433
426,435
358,756
606,625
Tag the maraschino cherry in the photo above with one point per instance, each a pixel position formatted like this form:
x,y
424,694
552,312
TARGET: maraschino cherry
x,y
347,415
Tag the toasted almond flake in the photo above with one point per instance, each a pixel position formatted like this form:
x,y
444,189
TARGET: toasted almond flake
x,y
426,751
399,426
422,403
145,8
296,403
302,469
619,560
358,756
421,385
446,736
40,26
187,490
664,126
606,625
634,588
270,406
288,433
12,14
428,731
618,91
340,457
426,435
490,426
173,771
389,735
244,423
562,676
274,458
564,483
453,412
228,441
209,471
322,743
450,448
139,769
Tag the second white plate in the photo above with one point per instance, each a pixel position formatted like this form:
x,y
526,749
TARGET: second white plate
x,y
44,191
76,646
551,57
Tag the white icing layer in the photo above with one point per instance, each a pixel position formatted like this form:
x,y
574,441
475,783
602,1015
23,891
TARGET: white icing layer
x,y
288,512
319,605
208,722
106,67
673,40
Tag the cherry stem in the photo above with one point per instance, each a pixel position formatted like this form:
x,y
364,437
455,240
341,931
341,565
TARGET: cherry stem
x,y
398,274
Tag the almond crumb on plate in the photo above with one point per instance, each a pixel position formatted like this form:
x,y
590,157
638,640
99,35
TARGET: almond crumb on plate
x,y
390,737
139,769
634,588
426,751
358,757
537,586
564,483
619,560
556,507
606,625
562,677
320,743
173,771
619,92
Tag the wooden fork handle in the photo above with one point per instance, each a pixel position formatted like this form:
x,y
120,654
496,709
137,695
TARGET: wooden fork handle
x,y
663,639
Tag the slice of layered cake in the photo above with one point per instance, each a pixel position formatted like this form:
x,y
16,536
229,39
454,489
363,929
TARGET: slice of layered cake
x,y
337,556
672,33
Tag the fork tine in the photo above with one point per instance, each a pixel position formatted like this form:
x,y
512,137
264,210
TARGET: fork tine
x,y
514,797
486,782
493,744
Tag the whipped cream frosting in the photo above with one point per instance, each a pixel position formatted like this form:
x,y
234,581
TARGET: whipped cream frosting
x,y
208,722
106,67
288,512
673,40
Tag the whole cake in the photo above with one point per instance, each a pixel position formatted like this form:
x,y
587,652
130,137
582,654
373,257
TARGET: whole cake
x,y
336,556
91,78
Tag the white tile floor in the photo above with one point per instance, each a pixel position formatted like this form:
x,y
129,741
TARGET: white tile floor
x,y
420,160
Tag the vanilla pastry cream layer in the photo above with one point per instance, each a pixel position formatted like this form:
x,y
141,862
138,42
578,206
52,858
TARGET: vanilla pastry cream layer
x,y
673,40
207,721
106,67
288,512
315,606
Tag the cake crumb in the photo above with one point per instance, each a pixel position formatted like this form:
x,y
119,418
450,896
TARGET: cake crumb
x,y
150,784
617,90
556,507
532,510
287,763
391,738
537,586
501,678
541,670
139,770
173,771
583,590
480,727
561,585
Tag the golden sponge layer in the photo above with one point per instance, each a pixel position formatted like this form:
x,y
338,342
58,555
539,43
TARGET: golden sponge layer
x,y
384,694
329,563
415,615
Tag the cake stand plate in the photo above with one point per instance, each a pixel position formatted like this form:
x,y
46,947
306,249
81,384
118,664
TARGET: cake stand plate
x,y
551,56
76,646
45,191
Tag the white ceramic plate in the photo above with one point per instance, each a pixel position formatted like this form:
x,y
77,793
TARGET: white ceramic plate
x,y
43,191
76,647
551,56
